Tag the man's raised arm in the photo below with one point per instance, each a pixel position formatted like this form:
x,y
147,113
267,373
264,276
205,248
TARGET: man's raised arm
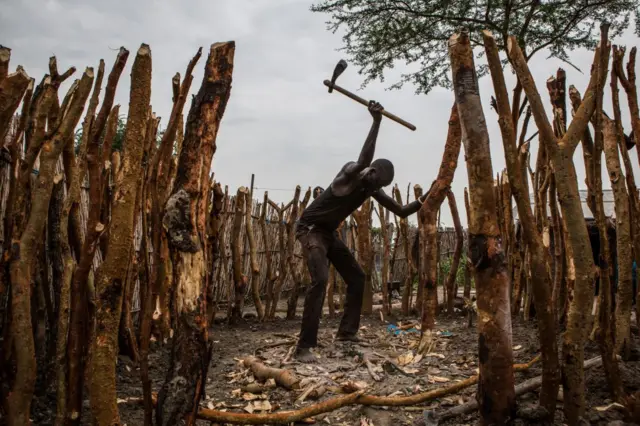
x,y
392,205
369,147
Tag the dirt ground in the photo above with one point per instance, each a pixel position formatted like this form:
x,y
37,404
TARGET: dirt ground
x,y
452,358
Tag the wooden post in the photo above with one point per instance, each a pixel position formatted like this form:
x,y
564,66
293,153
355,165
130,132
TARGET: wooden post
x,y
185,219
495,395
561,154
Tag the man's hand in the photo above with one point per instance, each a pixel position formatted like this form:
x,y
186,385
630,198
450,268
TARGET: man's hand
x,y
376,110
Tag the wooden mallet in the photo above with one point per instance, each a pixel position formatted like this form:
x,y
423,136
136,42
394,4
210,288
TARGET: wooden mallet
x,y
339,69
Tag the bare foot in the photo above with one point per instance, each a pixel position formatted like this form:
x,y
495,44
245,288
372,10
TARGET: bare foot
x,y
304,355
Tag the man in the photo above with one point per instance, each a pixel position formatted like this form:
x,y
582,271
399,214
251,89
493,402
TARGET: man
x,y
316,231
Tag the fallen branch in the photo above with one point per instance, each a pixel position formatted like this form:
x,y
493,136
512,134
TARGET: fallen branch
x,y
284,378
523,388
332,404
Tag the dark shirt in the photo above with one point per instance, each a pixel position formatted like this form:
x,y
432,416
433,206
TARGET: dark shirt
x,y
329,210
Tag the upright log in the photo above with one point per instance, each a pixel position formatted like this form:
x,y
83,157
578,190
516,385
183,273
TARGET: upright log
x,y
98,171
457,253
267,255
614,139
282,247
607,332
25,251
253,256
539,255
561,154
467,263
496,395
240,280
365,253
291,262
386,247
428,218
185,218
12,90
111,275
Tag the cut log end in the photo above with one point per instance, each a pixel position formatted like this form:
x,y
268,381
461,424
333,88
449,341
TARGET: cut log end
x,y
89,72
5,54
487,34
144,50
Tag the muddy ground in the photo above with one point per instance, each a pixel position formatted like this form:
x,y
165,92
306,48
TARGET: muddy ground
x,y
452,358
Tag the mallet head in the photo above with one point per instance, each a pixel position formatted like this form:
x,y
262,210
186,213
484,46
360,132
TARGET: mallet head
x,y
339,69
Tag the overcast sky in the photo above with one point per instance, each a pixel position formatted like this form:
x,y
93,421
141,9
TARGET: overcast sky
x,y
280,123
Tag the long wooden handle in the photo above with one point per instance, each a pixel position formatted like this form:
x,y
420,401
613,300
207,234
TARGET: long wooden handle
x,y
366,103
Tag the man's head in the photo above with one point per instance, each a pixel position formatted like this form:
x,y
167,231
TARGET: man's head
x,y
378,174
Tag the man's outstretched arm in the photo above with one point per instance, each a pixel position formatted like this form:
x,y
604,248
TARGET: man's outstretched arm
x,y
369,147
392,205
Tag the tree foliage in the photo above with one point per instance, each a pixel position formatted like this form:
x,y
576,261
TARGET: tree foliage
x,y
378,34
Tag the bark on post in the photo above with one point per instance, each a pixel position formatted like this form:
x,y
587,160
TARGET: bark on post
x,y
614,138
185,219
255,268
240,280
496,395
291,262
606,334
404,231
98,171
267,254
24,253
455,262
468,267
74,170
12,90
634,197
561,154
386,247
428,218
628,82
365,255
282,271
539,255
623,238
111,275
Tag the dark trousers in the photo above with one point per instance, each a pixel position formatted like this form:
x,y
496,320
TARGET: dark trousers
x,y
319,248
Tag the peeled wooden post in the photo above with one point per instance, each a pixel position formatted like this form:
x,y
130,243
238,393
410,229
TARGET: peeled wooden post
x,y
73,170
634,197
614,138
428,218
98,173
267,254
467,263
185,219
496,387
623,237
12,90
291,241
455,263
111,275
282,271
561,154
25,250
240,280
541,282
365,255
386,305
607,332
253,257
